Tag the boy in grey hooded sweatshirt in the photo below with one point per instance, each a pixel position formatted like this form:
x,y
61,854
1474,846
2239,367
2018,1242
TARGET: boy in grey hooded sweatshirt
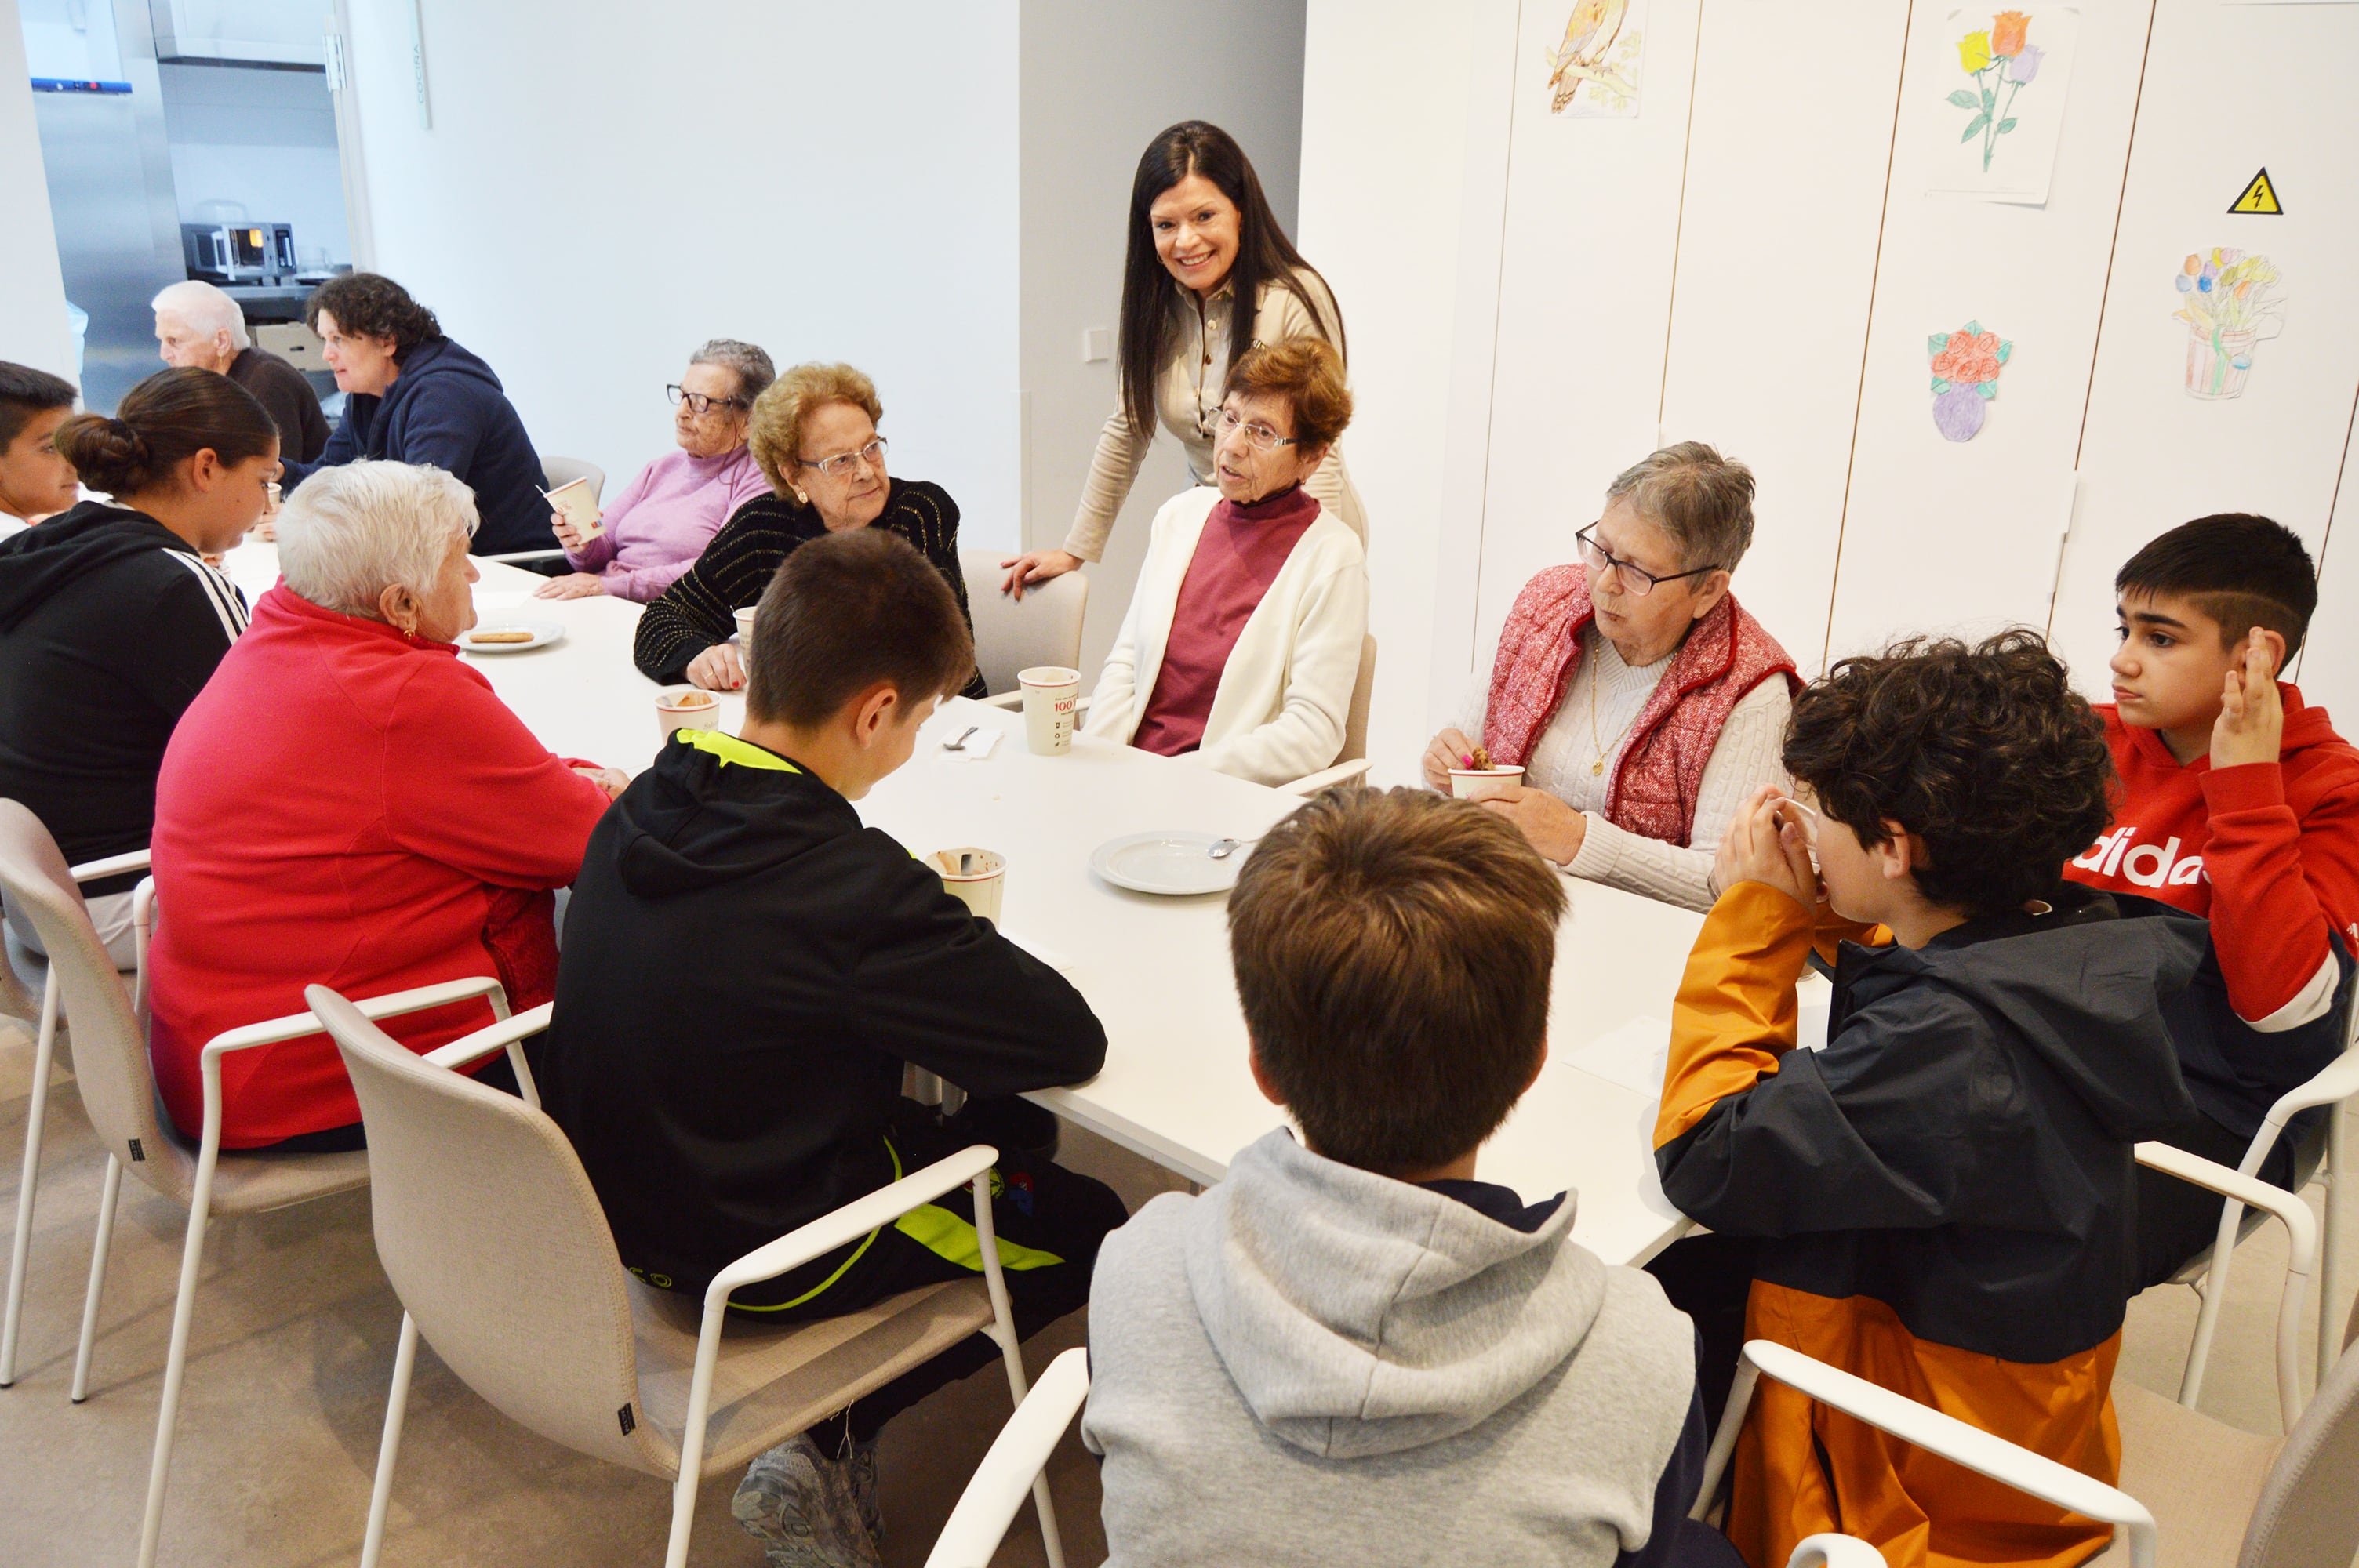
x,y
1350,1351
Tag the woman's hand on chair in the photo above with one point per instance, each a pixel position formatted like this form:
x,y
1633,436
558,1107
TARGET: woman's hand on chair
x,y
1037,567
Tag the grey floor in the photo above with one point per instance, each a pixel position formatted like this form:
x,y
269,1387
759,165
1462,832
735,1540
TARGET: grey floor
x,y
293,1340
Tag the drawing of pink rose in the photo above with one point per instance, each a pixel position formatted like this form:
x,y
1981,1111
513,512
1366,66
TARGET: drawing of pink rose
x,y
1969,356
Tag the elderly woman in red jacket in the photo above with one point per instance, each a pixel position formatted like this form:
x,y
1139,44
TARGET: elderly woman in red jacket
x,y
348,804
1643,702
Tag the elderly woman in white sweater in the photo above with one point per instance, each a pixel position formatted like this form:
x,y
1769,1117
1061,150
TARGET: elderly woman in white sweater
x,y
1641,700
1241,642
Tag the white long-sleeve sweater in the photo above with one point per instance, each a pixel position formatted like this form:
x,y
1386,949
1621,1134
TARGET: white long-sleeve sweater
x,y
1745,757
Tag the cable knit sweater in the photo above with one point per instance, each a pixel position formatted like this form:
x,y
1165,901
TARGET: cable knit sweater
x,y
1747,757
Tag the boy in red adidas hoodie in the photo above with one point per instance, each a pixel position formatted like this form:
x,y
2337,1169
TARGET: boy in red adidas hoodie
x,y
2241,804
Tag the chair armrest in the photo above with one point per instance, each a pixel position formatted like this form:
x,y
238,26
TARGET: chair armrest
x,y
1833,1550
2338,1080
113,866
2301,1260
508,1034
1311,784
1002,1482
848,1224
1953,1440
514,555
295,1025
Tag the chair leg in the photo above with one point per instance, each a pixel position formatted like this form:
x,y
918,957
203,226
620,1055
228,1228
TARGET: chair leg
x,y
2330,1267
397,1409
176,1366
107,1194
21,1245
684,1519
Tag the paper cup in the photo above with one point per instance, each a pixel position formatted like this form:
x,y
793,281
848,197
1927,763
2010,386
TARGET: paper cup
x,y
746,639
271,492
580,508
980,885
679,709
1483,784
1052,700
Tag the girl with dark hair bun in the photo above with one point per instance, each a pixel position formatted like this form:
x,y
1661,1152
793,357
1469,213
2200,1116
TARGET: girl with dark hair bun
x,y
1202,237
110,620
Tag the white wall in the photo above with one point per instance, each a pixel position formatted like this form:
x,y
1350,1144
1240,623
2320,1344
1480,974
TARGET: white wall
x,y
264,138
1098,81
604,187
33,328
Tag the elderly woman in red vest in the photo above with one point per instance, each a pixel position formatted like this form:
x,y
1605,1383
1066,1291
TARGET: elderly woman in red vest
x,y
1641,700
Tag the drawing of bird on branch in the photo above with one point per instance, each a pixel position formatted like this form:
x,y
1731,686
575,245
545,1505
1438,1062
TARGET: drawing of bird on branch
x,y
1589,32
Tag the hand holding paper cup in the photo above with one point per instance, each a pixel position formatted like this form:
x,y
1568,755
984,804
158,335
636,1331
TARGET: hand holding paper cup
x,y
1052,700
574,502
976,877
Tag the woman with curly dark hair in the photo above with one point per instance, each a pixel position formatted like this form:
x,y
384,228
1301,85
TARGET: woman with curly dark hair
x,y
415,396
1943,1199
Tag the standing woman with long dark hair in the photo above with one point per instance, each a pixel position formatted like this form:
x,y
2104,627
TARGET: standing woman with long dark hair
x,y
1201,238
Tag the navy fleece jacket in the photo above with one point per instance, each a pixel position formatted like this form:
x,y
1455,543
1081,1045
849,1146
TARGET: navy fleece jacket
x,y
446,408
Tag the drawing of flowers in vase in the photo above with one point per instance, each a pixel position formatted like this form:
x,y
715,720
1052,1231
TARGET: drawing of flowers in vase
x,y
2000,56
1966,378
2229,301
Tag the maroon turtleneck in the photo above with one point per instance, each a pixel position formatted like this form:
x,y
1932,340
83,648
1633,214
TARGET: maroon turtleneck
x,y
1238,556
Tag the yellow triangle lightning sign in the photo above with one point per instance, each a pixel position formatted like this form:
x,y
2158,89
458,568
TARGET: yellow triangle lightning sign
x,y
2260,196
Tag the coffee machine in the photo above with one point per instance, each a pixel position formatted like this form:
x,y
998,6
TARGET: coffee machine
x,y
239,253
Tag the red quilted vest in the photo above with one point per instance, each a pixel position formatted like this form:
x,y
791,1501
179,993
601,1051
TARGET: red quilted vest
x,y
1661,771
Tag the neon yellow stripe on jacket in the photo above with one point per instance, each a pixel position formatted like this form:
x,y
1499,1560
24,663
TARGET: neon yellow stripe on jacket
x,y
730,749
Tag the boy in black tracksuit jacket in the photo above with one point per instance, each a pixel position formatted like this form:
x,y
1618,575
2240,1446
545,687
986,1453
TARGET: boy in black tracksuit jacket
x,y
745,971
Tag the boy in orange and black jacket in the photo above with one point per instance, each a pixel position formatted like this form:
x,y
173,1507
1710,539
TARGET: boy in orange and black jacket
x,y
1942,1200
2241,803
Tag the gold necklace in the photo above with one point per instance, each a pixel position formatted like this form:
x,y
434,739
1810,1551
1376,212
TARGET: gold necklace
x,y
1597,768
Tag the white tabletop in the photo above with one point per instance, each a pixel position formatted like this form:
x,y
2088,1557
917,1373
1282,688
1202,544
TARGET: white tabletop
x,y
1155,970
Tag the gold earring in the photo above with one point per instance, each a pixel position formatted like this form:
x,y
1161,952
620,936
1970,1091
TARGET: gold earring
x,y
800,499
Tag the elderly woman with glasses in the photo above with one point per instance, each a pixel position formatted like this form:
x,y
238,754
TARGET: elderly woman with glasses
x,y
1643,702
814,435
1242,644
664,518
348,804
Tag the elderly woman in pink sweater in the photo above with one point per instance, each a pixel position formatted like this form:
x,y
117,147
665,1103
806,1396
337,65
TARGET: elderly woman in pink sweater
x,y
664,518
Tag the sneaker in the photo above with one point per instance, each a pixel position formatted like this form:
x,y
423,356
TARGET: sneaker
x,y
862,1462
801,1506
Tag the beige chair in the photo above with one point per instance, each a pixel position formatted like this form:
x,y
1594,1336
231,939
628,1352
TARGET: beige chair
x,y
1352,762
22,973
497,1246
2205,1493
1043,628
118,1095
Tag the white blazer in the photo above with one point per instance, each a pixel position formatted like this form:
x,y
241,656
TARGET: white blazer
x,y
1286,692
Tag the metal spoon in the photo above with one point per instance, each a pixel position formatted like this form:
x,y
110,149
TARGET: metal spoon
x,y
1227,847
959,744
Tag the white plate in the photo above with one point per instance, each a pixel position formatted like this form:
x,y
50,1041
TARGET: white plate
x,y
544,632
1176,862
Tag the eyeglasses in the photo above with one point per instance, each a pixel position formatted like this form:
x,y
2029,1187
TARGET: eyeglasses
x,y
844,464
698,402
1640,581
1260,438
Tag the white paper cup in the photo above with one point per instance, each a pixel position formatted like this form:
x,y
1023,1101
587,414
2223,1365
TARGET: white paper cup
x,y
1052,700
675,710
746,639
1483,784
980,885
580,508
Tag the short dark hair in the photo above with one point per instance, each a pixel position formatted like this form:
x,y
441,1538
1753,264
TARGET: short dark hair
x,y
2242,569
166,419
1987,753
373,306
845,612
1393,952
25,392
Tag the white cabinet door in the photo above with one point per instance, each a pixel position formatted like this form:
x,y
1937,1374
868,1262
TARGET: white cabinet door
x,y
2229,89
1584,301
1777,261
1944,536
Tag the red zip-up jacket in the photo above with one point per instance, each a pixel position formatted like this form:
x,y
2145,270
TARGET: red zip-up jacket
x,y
345,805
2268,852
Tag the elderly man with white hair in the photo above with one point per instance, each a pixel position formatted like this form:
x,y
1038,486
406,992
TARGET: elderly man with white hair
x,y
197,324
347,804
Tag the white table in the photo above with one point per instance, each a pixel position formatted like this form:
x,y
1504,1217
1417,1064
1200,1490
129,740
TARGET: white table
x,y
1155,970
